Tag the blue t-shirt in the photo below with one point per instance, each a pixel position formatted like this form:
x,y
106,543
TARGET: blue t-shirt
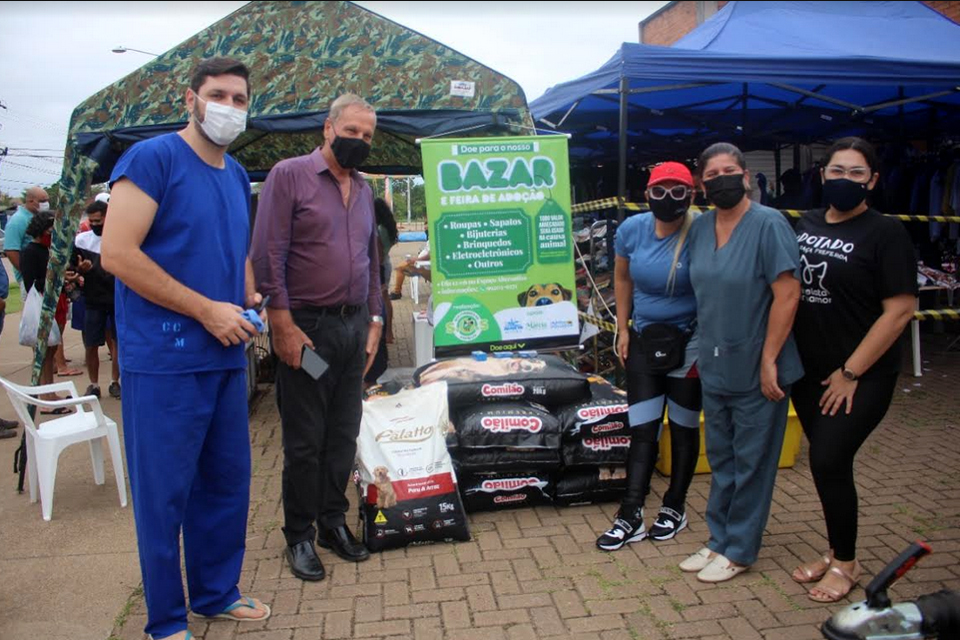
x,y
200,236
16,238
650,260
733,291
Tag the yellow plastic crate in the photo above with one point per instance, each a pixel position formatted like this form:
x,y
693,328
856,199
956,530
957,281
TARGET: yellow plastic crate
x,y
788,454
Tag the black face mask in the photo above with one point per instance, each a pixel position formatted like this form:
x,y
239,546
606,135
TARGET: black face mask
x,y
97,230
349,152
843,194
725,191
668,209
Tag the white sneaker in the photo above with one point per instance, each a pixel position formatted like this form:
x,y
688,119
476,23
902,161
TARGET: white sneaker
x,y
697,561
720,569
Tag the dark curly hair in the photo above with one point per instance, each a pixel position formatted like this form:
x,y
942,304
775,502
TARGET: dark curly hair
x,y
40,224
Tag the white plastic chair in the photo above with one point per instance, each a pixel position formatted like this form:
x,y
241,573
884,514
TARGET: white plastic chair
x,y
44,444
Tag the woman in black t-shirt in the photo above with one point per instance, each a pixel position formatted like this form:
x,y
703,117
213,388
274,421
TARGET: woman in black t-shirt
x,y
858,289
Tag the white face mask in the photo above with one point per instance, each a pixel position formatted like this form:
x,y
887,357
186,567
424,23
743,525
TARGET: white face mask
x,y
44,206
223,124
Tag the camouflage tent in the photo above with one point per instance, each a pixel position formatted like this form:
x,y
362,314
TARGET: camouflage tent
x,y
301,55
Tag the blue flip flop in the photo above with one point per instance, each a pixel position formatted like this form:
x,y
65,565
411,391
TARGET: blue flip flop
x,y
189,636
228,613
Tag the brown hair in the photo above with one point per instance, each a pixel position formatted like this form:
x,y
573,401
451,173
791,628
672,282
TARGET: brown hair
x,y
219,67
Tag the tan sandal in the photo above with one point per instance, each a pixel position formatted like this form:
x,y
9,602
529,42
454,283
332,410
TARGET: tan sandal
x,y
811,571
829,594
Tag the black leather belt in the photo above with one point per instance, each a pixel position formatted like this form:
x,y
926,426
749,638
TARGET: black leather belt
x,y
342,310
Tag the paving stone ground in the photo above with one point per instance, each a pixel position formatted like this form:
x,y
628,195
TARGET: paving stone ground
x,y
535,573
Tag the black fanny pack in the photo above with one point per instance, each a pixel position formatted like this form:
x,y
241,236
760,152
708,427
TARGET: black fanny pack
x,y
661,347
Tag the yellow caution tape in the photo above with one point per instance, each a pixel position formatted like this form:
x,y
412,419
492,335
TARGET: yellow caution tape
x,y
937,314
598,322
611,203
929,314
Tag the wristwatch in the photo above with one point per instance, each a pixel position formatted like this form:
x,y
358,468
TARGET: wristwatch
x,y
377,319
849,374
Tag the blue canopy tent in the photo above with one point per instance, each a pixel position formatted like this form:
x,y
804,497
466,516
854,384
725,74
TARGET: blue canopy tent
x,y
765,74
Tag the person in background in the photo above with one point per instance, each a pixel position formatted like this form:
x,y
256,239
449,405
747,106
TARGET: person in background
x,y
15,239
859,290
33,264
792,196
387,229
409,268
8,428
99,326
744,268
652,286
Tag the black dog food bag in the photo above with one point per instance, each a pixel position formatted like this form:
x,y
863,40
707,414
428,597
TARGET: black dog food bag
x,y
507,437
604,413
599,451
493,491
508,424
548,380
409,490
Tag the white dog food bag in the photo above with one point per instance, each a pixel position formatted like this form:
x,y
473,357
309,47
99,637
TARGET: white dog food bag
x,y
408,486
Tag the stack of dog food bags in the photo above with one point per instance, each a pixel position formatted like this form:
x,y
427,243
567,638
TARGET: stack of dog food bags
x,y
508,435
596,440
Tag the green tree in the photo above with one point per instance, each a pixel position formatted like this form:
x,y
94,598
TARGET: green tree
x,y
418,201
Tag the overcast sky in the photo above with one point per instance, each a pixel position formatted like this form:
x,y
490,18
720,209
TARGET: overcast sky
x,y
54,55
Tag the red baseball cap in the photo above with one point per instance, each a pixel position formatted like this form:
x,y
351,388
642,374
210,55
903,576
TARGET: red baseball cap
x,y
670,171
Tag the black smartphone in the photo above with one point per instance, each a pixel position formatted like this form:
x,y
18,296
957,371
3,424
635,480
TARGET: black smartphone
x,y
263,303
312,363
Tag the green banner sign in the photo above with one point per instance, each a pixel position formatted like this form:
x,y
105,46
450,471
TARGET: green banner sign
x,y
501,250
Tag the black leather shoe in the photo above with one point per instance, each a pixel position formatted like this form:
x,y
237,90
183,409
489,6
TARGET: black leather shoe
x,y
342,542
304,561
8,424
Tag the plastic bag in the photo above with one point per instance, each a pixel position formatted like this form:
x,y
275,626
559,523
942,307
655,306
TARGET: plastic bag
x,y
30,322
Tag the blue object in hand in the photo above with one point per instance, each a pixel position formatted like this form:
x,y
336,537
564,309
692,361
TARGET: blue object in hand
x,y
251,316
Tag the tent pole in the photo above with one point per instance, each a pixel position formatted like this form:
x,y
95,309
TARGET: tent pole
x,y
900,122
622,174
777,164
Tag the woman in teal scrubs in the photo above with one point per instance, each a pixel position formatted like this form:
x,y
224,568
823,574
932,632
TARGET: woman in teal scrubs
x,y
744,269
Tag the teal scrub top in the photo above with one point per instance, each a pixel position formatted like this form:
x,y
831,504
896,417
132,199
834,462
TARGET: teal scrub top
x,y
732,286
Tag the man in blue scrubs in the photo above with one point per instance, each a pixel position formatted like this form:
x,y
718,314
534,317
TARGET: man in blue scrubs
x,y
177,241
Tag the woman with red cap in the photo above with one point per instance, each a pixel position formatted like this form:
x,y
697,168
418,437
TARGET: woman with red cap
x,y
659,352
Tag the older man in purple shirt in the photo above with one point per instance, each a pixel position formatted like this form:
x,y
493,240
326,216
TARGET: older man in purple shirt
x,y
314,253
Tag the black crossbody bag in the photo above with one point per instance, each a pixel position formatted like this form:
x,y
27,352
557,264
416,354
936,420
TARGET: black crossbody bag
x,y
662,347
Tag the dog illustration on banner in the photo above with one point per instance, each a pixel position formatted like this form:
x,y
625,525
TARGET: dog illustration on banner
x,y
386,496
540,295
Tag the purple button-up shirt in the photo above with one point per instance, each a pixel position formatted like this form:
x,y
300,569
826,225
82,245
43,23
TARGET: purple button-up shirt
x,y
308,249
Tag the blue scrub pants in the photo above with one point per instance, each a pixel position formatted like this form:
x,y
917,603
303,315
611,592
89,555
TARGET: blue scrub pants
x,y
188,455
744,434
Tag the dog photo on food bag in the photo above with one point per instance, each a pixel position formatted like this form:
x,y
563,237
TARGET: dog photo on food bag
x,y
386,496
540,295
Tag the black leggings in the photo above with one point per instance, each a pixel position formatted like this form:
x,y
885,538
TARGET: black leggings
x,y
834,442
646,394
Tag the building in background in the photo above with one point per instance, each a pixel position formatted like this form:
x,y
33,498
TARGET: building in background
x,y
676,19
